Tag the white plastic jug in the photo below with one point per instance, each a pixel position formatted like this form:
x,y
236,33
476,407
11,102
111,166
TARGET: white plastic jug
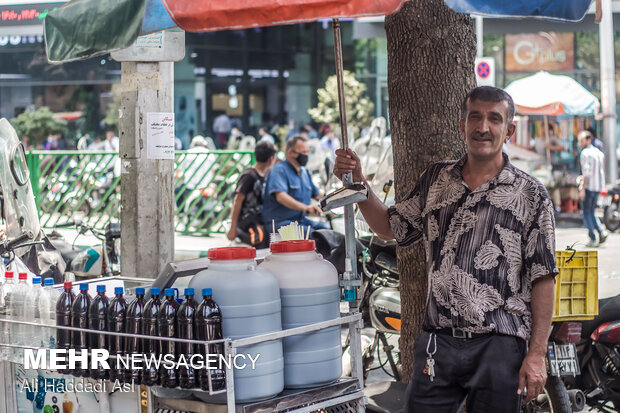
x,y
249,299
310,294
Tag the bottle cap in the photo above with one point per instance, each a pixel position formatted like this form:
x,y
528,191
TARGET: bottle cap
x,y
189,291
139,291
301,245
23,276
48,281
169,292
101,288
118,290
155,291
36,280
8,274
207,291
232,253
83,287
68,285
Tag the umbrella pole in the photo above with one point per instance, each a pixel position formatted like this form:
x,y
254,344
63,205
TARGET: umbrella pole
x,y
350,274
340,80
347,179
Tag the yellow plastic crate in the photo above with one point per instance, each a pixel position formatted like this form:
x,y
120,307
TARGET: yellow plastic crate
x,y
576,286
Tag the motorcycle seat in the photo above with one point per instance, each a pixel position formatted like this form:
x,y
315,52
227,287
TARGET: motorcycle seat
x,y
67,253
113,230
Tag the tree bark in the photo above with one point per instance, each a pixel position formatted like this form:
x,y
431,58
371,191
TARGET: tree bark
x,y
431,51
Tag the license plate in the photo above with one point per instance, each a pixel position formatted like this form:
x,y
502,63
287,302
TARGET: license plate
x,y
562,359
605,201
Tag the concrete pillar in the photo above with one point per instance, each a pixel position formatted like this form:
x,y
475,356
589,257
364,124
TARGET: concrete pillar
x,y
147,192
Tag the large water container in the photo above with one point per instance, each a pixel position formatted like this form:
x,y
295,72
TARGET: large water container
x,y
310,294
249,298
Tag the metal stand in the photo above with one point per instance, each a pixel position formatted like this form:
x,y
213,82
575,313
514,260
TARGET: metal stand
x,y
344,395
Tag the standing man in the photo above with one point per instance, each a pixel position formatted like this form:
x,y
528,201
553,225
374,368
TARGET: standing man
x,y
593,180
289,190
488,231
221,128
246,216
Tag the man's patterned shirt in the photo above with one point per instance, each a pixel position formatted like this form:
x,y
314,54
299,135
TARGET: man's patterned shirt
x,y
484,248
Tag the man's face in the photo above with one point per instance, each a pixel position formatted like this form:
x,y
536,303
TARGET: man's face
x,y
300,147
582,140
109,135
485,129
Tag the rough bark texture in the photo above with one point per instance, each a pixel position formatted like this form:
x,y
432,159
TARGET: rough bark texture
x,y
431,52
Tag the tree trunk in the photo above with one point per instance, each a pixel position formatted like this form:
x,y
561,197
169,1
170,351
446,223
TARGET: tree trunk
x,y
431,52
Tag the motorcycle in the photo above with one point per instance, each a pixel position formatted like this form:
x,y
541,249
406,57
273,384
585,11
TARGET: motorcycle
x,y
93,261
563,368
610,200
599,354
19,210
380,302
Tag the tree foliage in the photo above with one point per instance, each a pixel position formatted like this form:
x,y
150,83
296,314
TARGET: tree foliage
x,y
38,125
359,106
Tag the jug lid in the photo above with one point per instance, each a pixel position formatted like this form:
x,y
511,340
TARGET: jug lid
x,y
293,246
232,253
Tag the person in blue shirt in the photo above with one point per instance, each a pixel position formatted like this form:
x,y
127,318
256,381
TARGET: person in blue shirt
x,y
289,190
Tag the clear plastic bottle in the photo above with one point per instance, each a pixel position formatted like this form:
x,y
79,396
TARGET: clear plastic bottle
x,y
116,324
97,321
150,375
166,322
18,304
63,319
47,308
5,307
185,329
79,318
32,313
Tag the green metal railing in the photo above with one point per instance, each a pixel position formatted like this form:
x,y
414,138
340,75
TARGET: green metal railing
x,y
71,183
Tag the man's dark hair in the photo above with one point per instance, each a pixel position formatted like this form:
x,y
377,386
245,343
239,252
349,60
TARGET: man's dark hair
x,y
290,144
489,94
264,151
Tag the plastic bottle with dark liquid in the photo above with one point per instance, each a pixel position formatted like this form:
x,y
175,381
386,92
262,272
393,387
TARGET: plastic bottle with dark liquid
x,y
208,326
116,324
79,318
63,318
166,323
150,374
97,321
133,325
185,329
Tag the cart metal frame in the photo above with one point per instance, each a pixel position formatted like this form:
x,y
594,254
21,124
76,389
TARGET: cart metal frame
x,y
344,395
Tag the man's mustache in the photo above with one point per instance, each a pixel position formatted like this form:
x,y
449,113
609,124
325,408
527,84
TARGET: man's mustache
x,y
485,135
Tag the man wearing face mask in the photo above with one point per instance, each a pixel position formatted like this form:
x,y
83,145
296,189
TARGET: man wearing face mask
x,y
289,190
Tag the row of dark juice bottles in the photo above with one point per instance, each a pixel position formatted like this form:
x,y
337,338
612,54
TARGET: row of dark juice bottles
x,y
155,317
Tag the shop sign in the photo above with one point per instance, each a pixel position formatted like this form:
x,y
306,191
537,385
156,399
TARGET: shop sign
x,y
540,51
26,14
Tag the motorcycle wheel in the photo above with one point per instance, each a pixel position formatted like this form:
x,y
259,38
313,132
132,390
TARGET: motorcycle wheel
x,y
557,398
611,218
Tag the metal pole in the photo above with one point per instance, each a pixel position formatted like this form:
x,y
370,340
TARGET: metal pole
x,y
349,224
608,92
479,35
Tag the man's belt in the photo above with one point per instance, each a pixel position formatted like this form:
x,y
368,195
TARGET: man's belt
x,y
458,333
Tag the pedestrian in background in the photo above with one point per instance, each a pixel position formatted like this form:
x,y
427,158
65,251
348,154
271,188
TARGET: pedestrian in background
x,y
591,182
